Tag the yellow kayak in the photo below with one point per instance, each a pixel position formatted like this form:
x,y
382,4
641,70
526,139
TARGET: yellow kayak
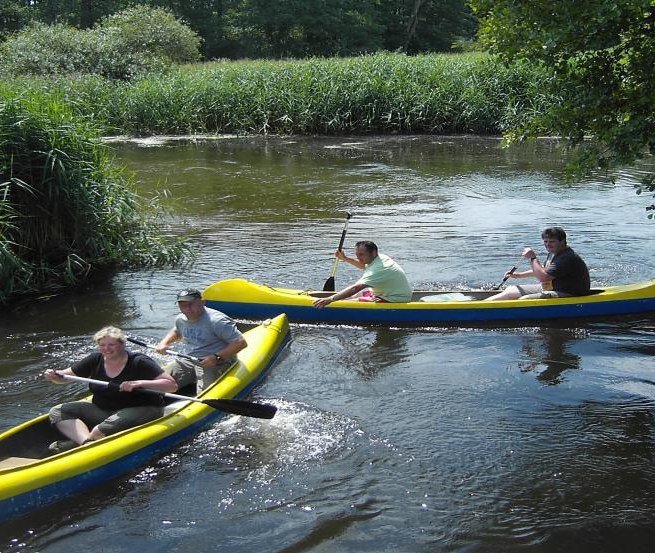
x,y
31,477
248,300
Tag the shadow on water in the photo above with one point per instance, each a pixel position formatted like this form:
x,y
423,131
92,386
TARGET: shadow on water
x,y
381,349
94,304
58,522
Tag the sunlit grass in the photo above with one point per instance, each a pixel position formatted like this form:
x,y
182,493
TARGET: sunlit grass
x,y
384,93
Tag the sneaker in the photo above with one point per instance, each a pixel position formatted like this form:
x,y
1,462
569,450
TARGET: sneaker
x,y
61,445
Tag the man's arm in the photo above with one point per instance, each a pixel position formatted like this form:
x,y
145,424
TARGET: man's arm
x,y
536,269
341,295
353,261
539,272
232,348
170,338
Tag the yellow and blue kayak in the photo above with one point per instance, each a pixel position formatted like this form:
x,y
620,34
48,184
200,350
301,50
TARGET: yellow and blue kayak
x,y
248,300
31,477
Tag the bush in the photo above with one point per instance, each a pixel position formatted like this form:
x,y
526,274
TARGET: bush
x,y
154,31
41,49
65,208
121,46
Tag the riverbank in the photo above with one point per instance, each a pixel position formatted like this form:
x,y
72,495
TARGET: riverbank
x,y
376,94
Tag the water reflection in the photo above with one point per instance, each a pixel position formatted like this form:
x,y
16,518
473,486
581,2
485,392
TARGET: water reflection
x,y
548,354
383,348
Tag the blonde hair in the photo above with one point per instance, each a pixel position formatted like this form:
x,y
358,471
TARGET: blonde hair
x,y
110,332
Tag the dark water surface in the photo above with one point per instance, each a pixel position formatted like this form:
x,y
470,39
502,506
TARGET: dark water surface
x,y
530,439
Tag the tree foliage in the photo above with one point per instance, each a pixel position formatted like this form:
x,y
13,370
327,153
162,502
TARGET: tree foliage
x,y
280,28
13,16
602,57
155,31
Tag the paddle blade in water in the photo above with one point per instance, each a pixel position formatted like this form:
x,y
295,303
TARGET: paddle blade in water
x,y
244,408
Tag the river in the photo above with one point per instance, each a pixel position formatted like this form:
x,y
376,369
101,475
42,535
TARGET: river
x,y
536,439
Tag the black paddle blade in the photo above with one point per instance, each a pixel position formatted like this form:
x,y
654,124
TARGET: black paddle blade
x,y
244,408
329,285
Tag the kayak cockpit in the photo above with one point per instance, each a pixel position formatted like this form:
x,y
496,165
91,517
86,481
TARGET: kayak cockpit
x,y
435,296
29,443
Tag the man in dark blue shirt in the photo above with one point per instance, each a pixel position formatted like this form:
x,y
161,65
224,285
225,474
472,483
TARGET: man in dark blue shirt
x,y
563,274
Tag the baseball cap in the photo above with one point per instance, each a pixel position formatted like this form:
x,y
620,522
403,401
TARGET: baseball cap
x,y
188,294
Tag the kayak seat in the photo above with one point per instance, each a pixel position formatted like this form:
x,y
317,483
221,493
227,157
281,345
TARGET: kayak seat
x,y
13,462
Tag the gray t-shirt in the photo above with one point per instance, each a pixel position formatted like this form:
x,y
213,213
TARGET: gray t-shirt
x,y
209,334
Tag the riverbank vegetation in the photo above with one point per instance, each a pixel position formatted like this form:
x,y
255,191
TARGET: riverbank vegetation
x,y
382,93
65,209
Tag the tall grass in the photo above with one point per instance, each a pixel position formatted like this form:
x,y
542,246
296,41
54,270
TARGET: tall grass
x,y
383,93
65,208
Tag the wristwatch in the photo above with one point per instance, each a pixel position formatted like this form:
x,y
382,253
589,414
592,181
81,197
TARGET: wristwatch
x,y
218,357
533,258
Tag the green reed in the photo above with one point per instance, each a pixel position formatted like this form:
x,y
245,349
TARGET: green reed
x,y
65,209
383,93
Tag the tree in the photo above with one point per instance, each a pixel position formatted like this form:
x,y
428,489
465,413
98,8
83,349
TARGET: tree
x,y
205,17
152,31
301,28
14,14
601,54
416,26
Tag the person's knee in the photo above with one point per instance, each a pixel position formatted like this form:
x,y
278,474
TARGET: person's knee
x,y
96,434
55,414
128,418
513,292
510,293
184,374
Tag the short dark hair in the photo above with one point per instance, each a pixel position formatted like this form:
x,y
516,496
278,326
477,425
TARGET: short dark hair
x,y
554,232
369,246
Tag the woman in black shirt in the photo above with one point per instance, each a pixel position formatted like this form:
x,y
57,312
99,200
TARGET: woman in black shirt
x,y
112,408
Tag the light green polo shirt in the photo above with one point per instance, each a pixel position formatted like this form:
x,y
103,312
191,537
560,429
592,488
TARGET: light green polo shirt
x,y
387,279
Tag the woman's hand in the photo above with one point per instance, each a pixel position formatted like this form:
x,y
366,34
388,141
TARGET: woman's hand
x,y
52,376
130,385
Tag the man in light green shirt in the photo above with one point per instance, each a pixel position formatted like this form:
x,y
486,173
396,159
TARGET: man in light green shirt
x,y
385,278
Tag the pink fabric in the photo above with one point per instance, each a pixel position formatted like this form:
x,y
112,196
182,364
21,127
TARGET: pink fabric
x,y
370,297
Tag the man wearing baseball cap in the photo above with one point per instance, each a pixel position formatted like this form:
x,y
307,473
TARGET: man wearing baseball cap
x,y
208,334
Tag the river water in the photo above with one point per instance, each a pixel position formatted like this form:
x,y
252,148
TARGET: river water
x,y
519,439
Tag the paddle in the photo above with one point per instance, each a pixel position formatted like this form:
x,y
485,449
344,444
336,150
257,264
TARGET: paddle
x,y
511,271
234,406
329,285
169,351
